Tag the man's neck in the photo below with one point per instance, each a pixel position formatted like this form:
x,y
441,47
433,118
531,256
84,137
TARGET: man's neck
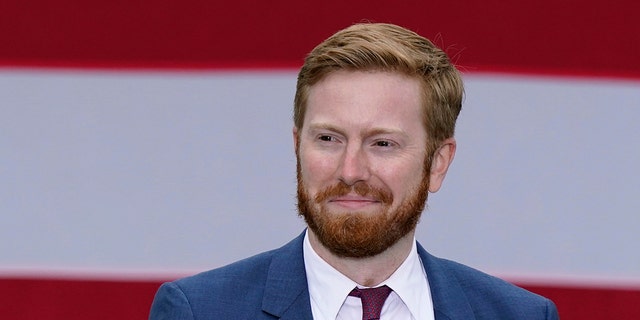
x,y
369,271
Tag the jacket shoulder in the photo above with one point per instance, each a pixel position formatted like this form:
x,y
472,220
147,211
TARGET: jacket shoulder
x,y
461,292
494,298
234,291
242,274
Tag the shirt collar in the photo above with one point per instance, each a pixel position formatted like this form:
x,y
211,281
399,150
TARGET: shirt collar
x,y
410,283
328,288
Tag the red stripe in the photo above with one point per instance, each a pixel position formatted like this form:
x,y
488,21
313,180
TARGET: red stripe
x,y
77,299
43,299
582,303
592,37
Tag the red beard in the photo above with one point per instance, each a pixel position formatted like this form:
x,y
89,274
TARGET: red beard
x,y
358,234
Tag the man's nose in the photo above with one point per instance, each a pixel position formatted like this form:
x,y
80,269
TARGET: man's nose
x,y
355,166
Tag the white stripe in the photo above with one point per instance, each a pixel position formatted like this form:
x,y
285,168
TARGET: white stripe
x,y
189,171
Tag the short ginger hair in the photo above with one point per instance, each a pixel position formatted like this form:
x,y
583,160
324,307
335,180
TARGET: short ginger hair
x,y
388,48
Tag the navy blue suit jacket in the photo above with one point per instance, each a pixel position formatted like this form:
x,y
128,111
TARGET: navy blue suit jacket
x,y
273,285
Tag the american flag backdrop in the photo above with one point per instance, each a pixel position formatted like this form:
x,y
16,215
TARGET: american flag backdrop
x,y
141,141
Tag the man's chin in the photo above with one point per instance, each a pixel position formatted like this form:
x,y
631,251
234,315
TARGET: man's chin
x,y
369,210
354,205
352,213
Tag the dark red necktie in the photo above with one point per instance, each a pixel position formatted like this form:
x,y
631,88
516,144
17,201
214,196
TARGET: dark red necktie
x,y
372,301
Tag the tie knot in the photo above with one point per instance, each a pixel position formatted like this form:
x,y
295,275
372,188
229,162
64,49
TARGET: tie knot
x,y
372,300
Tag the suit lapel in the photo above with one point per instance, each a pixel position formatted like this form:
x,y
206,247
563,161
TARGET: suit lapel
x,y
449,299
286,295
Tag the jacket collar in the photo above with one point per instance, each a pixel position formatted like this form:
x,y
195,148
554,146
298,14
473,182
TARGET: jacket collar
x,y
286,295
449,299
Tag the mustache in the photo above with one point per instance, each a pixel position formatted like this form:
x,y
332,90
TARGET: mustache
x,y
360,188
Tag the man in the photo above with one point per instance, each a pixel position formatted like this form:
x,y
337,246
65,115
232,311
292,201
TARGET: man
x,y
374,117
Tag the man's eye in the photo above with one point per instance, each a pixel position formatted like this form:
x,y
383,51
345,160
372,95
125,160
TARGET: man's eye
x,y
326,138
383,143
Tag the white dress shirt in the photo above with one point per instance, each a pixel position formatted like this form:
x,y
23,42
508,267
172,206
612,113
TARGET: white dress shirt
x,y
329,290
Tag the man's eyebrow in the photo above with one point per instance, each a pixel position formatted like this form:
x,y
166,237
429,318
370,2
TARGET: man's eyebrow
x,y
366,132
376,131
326,126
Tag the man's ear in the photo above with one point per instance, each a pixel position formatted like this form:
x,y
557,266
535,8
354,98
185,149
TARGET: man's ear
x,y
442,159
295,138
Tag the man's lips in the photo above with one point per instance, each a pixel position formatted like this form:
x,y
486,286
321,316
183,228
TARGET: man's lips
x,y
354,202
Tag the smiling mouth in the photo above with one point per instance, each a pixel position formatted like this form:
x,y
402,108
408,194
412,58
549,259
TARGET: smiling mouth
x,y
354,202
358,196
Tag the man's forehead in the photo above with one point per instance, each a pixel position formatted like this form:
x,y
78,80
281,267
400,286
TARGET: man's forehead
x,y
385,95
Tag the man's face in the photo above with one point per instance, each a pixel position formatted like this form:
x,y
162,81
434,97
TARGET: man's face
x,y
362,181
